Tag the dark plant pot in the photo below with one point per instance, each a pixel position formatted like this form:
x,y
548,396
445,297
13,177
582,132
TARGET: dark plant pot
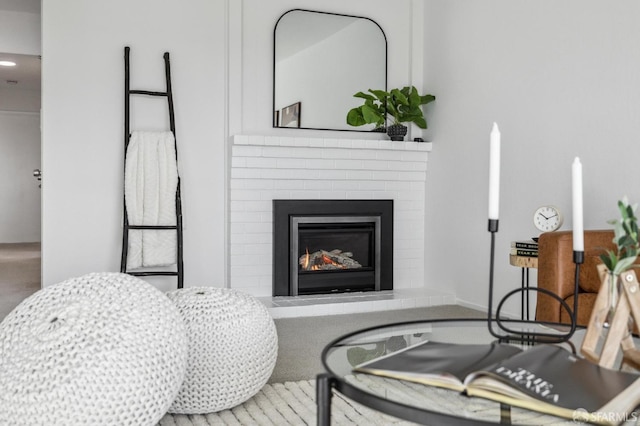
x,y
397,132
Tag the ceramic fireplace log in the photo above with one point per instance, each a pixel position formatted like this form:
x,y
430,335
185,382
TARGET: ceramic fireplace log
x,y
328,260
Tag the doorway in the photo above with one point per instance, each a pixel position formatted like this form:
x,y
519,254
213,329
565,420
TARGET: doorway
x,y
20,148
20,198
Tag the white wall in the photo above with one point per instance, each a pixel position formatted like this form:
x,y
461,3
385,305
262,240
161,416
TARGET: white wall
x,y
83,144
19,192
19,32
83,113
561,80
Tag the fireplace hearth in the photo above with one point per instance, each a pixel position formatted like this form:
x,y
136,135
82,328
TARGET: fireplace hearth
x,y
332,246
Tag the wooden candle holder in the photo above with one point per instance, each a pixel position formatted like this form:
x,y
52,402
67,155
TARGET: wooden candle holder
x,y
617,337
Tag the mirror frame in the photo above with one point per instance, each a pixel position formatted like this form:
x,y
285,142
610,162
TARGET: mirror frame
x,y
386,66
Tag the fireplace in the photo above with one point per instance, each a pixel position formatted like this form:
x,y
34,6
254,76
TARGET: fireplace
x,y
332,246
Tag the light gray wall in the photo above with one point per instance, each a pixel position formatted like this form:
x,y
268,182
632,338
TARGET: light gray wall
x,y
83,81
19,192
561,80
221,54
20,28
19,131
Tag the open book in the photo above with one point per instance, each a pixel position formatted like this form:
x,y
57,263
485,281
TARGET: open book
x,y
544,378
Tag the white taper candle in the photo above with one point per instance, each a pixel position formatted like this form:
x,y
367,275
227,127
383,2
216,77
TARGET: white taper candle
x,y
494,173
578,227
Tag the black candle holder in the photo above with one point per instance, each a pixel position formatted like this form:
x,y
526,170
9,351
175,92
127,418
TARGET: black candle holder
x,y
512,335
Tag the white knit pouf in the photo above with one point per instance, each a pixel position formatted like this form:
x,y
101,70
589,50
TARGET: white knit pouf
x,y
101,349
233,347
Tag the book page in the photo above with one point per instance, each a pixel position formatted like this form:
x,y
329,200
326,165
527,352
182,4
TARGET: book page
x,y
438,364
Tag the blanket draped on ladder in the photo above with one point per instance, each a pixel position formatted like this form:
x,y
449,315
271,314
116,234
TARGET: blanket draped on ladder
x,y
151,181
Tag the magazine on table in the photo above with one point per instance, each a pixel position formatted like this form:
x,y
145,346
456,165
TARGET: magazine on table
x,y
545,378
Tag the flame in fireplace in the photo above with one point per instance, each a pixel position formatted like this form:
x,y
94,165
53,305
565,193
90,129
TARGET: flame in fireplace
x,y
326,260
323,260
305,261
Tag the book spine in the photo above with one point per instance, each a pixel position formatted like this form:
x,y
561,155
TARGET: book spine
x,y
524,245
524,253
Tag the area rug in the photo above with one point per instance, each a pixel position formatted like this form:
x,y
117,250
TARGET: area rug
x,y
289,403
293,403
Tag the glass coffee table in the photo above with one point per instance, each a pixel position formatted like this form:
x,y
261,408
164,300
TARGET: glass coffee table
x,y
415,402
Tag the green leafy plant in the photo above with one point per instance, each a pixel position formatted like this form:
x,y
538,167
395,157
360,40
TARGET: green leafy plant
x,y
625,238
401,105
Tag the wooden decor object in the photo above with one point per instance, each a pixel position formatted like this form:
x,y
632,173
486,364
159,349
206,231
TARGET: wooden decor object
x,y
617,336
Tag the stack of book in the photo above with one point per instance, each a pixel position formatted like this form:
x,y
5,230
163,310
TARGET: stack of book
x,y
528,248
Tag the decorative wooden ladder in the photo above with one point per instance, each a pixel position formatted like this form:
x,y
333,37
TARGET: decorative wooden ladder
x,y
128,92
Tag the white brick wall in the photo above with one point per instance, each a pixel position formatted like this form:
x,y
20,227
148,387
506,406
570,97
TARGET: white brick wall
x,y
264,168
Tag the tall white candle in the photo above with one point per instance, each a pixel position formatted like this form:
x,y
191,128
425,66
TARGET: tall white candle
x,y
494,173
578,227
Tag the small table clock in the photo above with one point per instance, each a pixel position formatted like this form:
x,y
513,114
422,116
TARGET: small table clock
x,y
548,218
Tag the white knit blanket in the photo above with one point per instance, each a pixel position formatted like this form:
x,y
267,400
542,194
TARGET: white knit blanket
x,y
151,180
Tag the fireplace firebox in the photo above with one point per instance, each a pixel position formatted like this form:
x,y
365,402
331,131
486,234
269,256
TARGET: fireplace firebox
x,y
331,246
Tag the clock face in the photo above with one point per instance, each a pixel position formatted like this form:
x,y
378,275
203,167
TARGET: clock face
x,y
547,218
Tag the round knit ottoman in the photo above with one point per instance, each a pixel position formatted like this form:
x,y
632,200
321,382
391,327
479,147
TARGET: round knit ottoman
x,y
233,347
101,349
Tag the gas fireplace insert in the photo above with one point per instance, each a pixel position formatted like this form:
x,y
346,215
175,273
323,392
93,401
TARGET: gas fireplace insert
x,y
329,246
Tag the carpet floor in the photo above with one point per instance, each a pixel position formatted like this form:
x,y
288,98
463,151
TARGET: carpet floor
x,y
301,340
19,274
280,404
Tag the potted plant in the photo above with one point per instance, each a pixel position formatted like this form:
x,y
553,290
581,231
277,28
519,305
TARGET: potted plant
x,y
399,105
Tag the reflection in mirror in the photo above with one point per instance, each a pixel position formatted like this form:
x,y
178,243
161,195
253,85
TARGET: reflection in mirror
x,y
320,61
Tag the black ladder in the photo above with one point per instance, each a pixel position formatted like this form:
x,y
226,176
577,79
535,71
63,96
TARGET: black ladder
x,y
179,272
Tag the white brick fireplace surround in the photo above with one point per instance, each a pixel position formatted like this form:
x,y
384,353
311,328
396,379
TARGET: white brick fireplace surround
x,y
264,168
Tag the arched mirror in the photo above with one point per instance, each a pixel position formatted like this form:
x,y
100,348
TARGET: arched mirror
x,y
320,61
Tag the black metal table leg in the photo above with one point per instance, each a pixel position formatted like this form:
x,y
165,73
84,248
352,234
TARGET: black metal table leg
x,y
527,291
522,296
323,399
